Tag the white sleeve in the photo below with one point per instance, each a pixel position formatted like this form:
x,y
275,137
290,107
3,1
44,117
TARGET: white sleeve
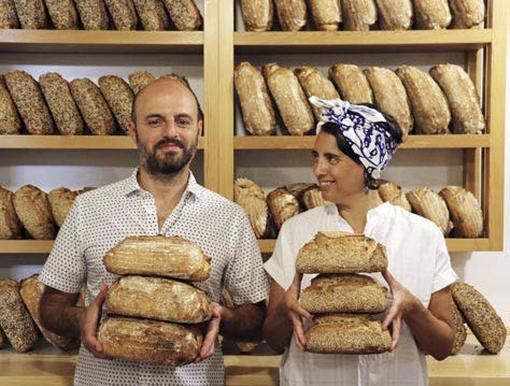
x,y
444,275
281,265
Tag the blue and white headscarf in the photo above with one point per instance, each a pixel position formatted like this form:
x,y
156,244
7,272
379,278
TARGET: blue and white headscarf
x,y
363,132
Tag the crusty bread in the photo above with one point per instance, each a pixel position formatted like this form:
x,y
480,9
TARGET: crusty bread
x,y
33,210
251,198
312,198
10,226
31,290
119,97
152,15
257,14
150,341
3,339
351,293
140,79
347,334
158,298
282,205
459,329
173,257
480,316
10,123
388,191
431,205
61,200
8,16
339,252
93,14
465,211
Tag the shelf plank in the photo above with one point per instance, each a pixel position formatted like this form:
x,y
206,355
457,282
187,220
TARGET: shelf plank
x,y
50,41
454,245
71,142
284,142
354,41
26,246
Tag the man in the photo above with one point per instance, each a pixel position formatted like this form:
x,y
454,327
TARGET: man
x,y
161,197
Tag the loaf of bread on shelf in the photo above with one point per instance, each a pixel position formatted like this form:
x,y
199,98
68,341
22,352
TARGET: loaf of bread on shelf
x,y
350,293
150,341
480,316
158,298
257,14
351,82
312,198
8,17
3,339
432,14
290,98
252,199
10,122
61,200
340,252
431,205
467,13
298,189
31,290
152,14
326,14
395,15
29,101
119,97
62,13
463,99
359,15
388,191
93,107
428,103
173,257
123,14
459,330
33,210
256,107
31,14
314,83
347,334
465,211
292,14
282,205
93,14
184,14
15,320
140,79
390,96
61,103
10,226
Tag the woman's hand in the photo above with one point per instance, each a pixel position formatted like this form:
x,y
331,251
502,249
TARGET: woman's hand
x,y
295,311
403,303
89,321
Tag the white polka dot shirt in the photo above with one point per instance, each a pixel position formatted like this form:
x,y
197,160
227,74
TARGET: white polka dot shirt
x,y
101,218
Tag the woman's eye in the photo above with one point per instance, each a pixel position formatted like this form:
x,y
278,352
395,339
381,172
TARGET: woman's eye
x,y
333,160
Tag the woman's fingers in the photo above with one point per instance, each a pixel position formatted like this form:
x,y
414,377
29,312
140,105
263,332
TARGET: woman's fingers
x,y
395,334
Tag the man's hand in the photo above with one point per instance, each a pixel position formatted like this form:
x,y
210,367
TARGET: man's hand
x,y
213,329
89,320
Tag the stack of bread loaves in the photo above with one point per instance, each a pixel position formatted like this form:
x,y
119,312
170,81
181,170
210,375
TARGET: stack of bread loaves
x,y
153,317
342,300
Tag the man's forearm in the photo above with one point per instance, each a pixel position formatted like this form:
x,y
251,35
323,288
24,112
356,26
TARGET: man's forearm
x,y
59,315
244,322
277,330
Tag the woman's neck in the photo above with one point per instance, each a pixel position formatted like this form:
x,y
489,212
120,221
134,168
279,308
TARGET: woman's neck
x,y
355,211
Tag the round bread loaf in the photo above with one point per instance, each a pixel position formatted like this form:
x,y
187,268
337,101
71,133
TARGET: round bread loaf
x,y
33,210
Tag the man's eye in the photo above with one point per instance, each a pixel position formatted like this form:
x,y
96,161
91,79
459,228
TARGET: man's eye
x,y
154,122
183,122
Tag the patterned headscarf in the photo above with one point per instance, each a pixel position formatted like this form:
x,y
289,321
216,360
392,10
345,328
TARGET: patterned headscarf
x,y
361,127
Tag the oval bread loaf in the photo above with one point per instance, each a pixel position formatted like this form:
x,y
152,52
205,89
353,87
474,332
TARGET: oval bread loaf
x,y
257,14
140,79
93,14
33,210
152,15
31,14
431,205
432,14
251,198
119,97
282,205
61,200
10,226
351,82
359,15
62,13
292,14
123,14
326,14
465,211
184,14
10,122
8,17
395,15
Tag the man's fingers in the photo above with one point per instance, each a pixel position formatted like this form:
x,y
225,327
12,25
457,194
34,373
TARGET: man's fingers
x,y
213,329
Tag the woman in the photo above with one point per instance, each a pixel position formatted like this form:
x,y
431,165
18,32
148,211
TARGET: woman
x,y
354,145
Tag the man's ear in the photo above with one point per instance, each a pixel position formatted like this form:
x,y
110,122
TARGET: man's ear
x,y
200,125
132,131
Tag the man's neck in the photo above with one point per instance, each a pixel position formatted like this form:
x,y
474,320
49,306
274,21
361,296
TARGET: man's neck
x,y
164,188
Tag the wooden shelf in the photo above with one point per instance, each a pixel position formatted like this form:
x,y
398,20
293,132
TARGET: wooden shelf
x,y
449,141
454,245
366,42
70,142
117,42
26,246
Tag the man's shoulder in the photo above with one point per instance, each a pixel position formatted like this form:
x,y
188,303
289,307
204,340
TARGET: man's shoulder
x,y
218,201
106,192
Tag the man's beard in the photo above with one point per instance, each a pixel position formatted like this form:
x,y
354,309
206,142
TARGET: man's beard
x,y
169,163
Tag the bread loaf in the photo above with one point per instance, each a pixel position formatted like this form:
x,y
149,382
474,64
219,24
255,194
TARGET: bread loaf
x,y
480,316
432,14
350,293
312,198
463,99
459,330
31,14
347,334
123,14
395,15
157,298
388,191
251,198
33,210
63,14
10,226
140,79
31,290
282,205
298,189
150,341
431,205
14,318
61,200
467,13
30,102
327,14
173,257
3,339
351,82
315,84
390,96
93,107
184,13
152,14
339,252
290,98
428,103
359,15
465,211
61,103
292,14
119,97
8,16
9,118
93,14
257,14
256,107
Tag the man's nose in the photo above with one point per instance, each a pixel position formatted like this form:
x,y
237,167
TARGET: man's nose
x,y
170,128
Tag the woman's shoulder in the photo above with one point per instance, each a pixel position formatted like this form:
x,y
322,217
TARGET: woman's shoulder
x,y
415,223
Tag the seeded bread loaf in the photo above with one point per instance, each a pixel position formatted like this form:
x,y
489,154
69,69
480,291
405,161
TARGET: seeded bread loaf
x,y
123,14
184,14
10,122
93,14
34,211
119,97
10,226
152,15
62,13
8,17
465,211
31,14
140,79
